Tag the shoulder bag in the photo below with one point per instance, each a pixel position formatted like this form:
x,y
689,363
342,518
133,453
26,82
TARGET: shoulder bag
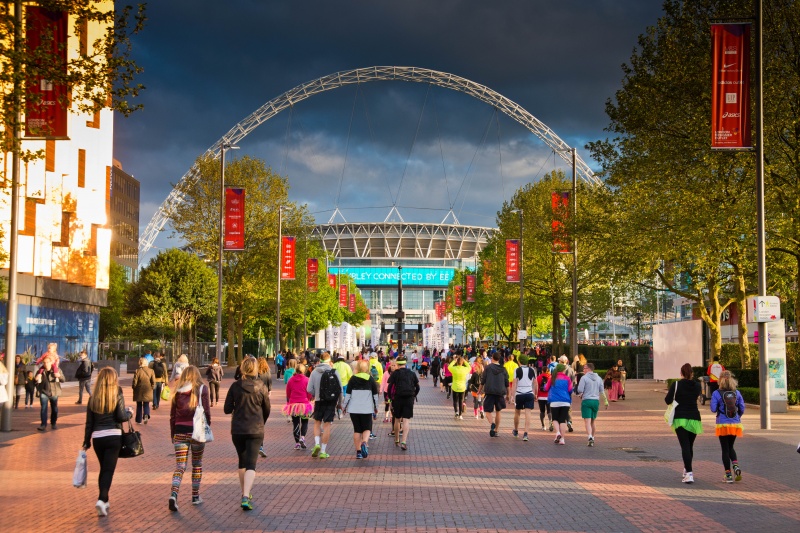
x,y
201,431
131,443
669,415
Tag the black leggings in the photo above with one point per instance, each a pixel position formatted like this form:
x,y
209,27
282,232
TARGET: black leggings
x,y
107,451
435,377
728,453
458,402
247,449
213,387
299,427
544,406
686,438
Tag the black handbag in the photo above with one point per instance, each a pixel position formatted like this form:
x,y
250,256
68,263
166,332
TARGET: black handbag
x,y
131,443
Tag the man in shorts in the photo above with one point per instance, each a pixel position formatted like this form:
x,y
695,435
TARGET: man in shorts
x,y
324,410
494,387
589,389
403,386
524,382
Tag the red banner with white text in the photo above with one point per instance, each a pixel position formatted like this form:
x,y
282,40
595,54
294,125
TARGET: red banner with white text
x,y
46,102
343,295
352,307
312,268
559,202
287,258
471,288
332,281
512,261
730,90
234,219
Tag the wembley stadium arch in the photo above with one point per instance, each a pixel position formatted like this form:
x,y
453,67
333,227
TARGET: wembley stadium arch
x,y
371,252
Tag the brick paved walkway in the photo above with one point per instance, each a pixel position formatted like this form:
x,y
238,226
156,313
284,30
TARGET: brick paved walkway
x,y
452,478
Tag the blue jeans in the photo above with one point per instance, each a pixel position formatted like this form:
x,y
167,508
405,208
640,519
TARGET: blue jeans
x,y
157,394
44,400
142,409
83,384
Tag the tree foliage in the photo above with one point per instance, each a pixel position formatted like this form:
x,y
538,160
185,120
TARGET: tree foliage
x,y
111,316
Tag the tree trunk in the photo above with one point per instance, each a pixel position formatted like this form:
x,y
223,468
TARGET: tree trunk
x,y
232,338
557,340
741,304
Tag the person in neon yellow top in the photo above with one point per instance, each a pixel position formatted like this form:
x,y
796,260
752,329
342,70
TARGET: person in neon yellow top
x,y
511,367
344,371
374,363
460,370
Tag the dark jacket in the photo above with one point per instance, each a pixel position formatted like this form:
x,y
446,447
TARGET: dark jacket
x,y
495,380
248,400
688,391
84,370
101,421
214,373
49,383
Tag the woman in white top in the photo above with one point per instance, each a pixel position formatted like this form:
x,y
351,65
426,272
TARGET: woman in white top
x,y
178,367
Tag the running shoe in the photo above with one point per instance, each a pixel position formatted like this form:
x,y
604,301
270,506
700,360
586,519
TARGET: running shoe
x,y
364,450
372,436
303,442
562,442
515,433
247,504
525,437
551,427
688,478
591,442
324,455
173,503
297,446
261,452
569,427
482,416
315,450
544,428
102,509
558,438
728,477
197,500
359,455
737,472
491,431
461,417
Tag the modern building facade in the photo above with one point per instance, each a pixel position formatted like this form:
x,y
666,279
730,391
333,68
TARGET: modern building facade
x,y
124,220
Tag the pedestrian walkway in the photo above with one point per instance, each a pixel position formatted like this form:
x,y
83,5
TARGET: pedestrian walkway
x,y
452,478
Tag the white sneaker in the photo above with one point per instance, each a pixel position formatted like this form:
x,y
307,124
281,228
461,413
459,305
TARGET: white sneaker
x,y
688,478
102,508
461,417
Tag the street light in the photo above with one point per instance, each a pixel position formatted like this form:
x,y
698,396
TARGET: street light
x,y
521,283
638,328
222,148
280,266
400,314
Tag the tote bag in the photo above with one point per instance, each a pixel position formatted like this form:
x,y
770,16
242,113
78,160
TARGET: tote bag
x,y
669,415
201,431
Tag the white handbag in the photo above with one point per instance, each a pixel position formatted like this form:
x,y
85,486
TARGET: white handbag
x,y
201,431
669,415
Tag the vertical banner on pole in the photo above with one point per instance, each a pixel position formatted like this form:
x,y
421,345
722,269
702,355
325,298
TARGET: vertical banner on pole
x,y
559,202
343,295
332,281
458,295
471,288
312,268
234,219
46,102
730,91
512,261
352,307
287,258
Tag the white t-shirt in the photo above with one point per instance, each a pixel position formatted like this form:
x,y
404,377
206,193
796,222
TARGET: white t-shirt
x,y
525,383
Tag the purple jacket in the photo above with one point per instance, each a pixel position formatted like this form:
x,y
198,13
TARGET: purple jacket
x,y
718,407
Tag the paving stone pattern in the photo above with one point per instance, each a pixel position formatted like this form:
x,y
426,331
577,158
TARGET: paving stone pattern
x,y
453,478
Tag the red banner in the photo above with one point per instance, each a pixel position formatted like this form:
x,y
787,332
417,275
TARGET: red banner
x,y
352,307
332,281
458,290
287,258
470,288
234,219
559,202
512,261
312,268
46,102
343,295
730,91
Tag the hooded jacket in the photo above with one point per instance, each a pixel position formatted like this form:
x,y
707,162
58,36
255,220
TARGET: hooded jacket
x,y
591,386
248,400
495,380
316,377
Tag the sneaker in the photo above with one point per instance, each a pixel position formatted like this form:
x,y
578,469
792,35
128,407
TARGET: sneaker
x,y
562,442
728,477
737,472
544,428
297,446
476,416
558,438
359,455
303,442
197,500
247,504
525,437
569,427
688,478
591,442
315,450
461,417
372,436
515,433
482,415
551,427
364,450
173,503
42,428
324,455
491,430
261,452
102,509
146,418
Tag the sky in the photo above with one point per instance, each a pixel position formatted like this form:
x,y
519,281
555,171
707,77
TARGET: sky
x,y
364,148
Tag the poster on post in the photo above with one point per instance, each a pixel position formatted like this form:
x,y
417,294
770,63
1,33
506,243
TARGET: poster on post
x,y
234,219
730,87
287,258
512,261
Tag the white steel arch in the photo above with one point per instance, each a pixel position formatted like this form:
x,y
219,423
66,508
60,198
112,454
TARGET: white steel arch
x,y
364,75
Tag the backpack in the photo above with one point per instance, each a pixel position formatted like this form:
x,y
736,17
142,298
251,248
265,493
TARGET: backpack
x,y
373,371
404,383
729,404
158,369
543,383
329,386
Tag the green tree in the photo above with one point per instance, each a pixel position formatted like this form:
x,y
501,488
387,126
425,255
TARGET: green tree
x,y
111,316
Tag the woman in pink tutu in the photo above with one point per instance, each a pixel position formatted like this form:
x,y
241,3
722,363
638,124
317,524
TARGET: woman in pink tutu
x,y
616,383
298,406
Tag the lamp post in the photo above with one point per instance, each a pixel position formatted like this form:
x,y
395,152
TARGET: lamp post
x,y
521,283
280,265
573,326
222,148
400,325
638,328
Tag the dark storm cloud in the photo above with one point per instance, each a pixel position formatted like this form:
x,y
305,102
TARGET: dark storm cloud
x,y
209,64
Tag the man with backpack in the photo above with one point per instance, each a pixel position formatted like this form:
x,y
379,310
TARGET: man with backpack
x,y
403,387
494,386
524,380
84,376
160,371
326,387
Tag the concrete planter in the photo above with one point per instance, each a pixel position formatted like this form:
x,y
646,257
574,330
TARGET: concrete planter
x,y
68,368
107,362
133,364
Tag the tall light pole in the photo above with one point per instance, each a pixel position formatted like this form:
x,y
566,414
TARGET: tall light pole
x,y
573,326
521,282
280,267
305,303
400,314
222,148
